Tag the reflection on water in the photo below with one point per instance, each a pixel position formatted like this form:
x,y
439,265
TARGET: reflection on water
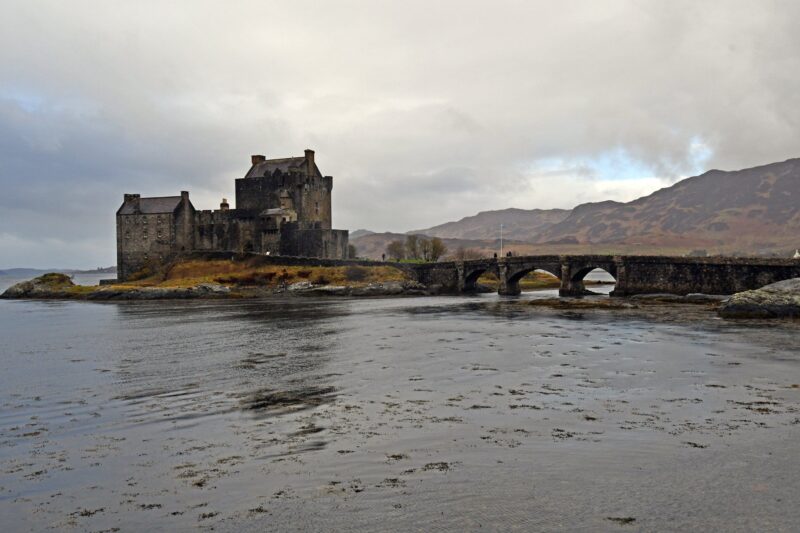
x,y
449,413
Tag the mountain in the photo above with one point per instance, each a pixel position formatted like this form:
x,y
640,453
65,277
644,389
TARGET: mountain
x,y
360,233
755,210
519,224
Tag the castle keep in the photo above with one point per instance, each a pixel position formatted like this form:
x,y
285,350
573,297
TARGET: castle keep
x,y
283,207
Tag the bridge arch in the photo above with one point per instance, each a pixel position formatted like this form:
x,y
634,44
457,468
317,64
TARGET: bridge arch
x,y
575,286
471,278
470,271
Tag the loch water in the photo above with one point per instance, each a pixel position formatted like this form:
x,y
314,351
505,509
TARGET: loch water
x,y
417,413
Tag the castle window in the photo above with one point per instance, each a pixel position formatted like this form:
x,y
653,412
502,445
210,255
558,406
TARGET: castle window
x,y
317,208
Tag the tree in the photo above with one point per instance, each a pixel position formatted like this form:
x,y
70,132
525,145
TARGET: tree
x,y
396,250
412,247
351,251
466,254
438,249
424,249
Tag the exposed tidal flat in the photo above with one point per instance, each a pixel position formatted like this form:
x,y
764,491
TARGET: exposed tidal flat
x,y
421,413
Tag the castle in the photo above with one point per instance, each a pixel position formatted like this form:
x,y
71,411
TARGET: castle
x,y
283,207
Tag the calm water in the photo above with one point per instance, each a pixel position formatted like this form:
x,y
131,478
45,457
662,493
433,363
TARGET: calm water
x,y
420,414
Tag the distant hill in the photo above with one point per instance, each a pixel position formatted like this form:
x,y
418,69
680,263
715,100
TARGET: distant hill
x,y
360,233
19,273
756,210
518,224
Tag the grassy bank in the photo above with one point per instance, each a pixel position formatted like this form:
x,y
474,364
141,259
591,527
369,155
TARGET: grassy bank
x,y
533,281
249,274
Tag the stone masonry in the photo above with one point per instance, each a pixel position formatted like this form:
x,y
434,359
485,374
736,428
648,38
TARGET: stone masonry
x,y
283,207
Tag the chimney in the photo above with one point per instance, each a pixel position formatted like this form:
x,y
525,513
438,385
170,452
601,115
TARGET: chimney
x,y
224,206
310,161
256,159
133,199
184,196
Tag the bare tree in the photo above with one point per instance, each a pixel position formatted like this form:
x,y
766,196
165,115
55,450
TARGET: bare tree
x,y
466,254
412,247
396,250
438,249
424,249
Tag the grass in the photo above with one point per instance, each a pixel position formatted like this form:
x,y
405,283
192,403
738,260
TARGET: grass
x,y
532,281
247,274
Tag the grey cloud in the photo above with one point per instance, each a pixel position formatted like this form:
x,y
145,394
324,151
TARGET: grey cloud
x,y
423,111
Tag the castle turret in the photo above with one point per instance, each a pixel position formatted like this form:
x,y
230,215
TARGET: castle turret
x,y
309,162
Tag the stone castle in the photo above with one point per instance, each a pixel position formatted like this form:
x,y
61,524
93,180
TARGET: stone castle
x,y
283,207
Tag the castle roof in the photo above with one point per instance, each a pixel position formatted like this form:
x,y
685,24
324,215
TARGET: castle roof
x,y
269,166
150,206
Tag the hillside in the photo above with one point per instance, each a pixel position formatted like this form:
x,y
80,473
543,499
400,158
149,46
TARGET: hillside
x,y
518,224
756,210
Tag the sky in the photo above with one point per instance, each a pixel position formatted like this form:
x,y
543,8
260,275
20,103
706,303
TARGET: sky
x,y
423,112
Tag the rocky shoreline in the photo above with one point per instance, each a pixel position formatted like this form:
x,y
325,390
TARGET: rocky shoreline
x,y
778,300
59,286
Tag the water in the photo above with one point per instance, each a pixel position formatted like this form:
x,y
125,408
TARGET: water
x,y
430,413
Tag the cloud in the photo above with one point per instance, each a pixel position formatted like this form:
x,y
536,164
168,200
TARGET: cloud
x,y
423,112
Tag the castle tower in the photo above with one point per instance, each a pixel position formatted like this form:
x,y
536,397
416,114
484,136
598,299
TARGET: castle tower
x,y
294,183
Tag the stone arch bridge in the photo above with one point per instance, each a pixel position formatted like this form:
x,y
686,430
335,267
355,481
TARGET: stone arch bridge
x,y
633,274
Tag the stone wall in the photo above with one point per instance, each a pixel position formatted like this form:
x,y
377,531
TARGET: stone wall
x,y
310,196
709,275
143,241
326,243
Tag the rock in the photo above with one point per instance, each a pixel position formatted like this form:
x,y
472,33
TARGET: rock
x,y
51,285
211,288
700,298
300,286
339,290
658,297
202,290
387,288
777,300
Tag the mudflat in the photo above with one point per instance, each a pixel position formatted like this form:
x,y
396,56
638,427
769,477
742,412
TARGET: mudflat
x,y
445,413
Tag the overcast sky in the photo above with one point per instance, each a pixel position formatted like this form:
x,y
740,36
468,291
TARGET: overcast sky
x,y
423,112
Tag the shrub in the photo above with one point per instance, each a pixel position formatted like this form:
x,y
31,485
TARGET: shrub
x,y
355,273
251,278
304,274
143,273
320,279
